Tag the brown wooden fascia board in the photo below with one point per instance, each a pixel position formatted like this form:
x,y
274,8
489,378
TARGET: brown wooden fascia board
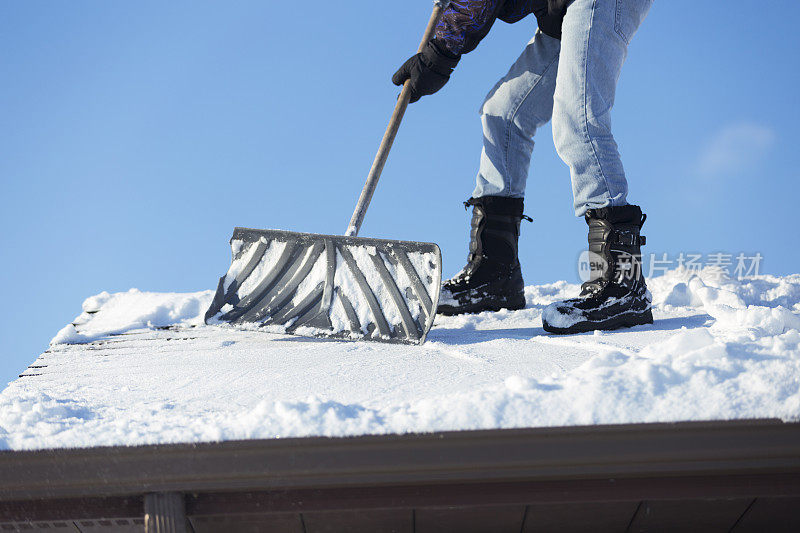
x,y
625,452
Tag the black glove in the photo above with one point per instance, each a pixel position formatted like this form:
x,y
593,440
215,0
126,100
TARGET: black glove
x,y
428,71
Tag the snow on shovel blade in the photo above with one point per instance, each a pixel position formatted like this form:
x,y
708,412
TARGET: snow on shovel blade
x,y
330,286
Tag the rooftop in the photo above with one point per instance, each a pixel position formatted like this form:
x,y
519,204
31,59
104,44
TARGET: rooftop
x,y
141,368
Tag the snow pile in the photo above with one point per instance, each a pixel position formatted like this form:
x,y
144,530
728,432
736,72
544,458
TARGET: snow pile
x,y
112,314
719,349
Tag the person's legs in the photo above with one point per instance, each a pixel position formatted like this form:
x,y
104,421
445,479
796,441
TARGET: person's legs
x,y
594,44
595,38
519,103
515,108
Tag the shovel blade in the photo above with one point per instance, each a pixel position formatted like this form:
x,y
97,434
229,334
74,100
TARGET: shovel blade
x,y
330,286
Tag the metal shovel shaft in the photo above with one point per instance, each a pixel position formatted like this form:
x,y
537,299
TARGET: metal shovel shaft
x,y
391,131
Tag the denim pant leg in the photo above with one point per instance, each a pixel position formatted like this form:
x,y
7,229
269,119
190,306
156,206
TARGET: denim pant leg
x,y
520,103
594,44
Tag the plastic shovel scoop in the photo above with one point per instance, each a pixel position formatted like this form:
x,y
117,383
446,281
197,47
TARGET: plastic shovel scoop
x,y
335,286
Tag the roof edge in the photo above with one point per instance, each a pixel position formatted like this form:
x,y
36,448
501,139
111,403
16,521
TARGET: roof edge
x,y
630,451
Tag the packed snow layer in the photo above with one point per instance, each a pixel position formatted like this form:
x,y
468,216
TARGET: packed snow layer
x,y
140,368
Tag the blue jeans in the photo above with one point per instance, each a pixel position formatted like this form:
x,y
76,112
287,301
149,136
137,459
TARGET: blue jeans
x,y
573,82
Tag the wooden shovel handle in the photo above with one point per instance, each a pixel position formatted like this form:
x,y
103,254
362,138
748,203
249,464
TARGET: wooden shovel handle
x,y
391,131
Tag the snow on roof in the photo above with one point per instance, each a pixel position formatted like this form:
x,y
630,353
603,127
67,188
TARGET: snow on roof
x,y
141,368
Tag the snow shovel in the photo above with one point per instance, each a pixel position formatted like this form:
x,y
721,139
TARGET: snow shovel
x,y
345,287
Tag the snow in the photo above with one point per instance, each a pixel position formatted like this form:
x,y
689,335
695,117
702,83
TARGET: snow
x,y
269,257
134,309
138,367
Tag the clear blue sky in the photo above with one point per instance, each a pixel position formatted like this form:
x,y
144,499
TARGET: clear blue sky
x,y
135,135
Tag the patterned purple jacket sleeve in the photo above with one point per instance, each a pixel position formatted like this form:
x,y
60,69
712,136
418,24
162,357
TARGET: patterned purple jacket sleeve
x,y
466,22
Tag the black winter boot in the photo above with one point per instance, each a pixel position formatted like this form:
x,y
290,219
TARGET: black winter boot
x,y
616,296
492,279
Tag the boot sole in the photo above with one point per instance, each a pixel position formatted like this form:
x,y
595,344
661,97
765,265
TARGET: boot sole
x,y
625,320
449,310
